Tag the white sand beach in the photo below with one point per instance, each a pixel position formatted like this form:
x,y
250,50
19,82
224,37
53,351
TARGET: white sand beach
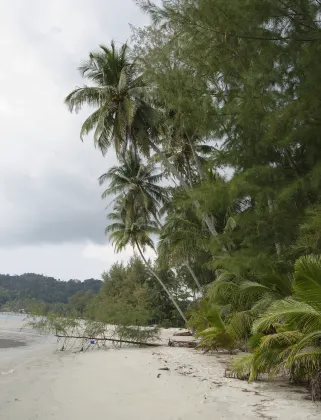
x,y
39,382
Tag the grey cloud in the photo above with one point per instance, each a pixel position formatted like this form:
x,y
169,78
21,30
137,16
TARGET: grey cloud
x,y
58,207
50,206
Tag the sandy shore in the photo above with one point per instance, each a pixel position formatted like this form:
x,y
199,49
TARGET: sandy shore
x,y
37,382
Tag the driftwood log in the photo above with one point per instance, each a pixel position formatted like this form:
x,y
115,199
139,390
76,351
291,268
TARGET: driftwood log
x,y
183,334
188,344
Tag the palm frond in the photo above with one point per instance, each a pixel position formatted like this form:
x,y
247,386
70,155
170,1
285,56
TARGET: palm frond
x,y
83,95
280,340
289,311
116,93
307,277
307,361
240,324
90,123
242,366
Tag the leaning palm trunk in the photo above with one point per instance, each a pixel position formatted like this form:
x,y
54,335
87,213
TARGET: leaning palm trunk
x,y
161,283
193,275
183,184
192,272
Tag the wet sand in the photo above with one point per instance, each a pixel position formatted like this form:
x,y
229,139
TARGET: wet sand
x,y
6,343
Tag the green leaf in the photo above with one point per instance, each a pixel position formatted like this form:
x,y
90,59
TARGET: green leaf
x,y
307,275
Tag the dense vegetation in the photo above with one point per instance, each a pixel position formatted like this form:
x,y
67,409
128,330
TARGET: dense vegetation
x,y
125,295
222,101
131,296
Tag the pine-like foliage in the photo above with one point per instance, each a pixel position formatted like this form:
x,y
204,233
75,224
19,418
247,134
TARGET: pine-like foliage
x,y
229,108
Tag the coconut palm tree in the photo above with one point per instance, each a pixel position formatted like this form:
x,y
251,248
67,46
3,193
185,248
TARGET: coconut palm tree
x,y
122,116
116,93
210,327
245,296
290,330
136,183
133,228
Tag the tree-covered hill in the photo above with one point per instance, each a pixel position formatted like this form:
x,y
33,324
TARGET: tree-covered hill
x,y
46,289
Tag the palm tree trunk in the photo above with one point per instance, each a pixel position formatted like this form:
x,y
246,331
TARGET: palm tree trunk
x,y
161,283
183,183
193,275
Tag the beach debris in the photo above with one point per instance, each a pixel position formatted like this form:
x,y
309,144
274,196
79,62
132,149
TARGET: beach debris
x,y
188,344
164,368
159,375
8,373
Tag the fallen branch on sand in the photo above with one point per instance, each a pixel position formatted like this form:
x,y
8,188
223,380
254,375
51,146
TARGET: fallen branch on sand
x,y
116,340
171,343
86,333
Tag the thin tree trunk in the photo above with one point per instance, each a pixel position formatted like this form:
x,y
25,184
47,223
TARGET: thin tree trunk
x,y
292,163
202,177
193,275
197,160
183,183
161,283
189,171
187,265
276,243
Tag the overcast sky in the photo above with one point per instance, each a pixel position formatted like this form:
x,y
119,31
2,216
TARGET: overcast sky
x,y
52,219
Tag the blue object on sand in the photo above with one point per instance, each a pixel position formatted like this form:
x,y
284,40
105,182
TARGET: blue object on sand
x,y
92,341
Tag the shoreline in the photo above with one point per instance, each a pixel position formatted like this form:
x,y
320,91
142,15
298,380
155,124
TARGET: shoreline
x,y
164,383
